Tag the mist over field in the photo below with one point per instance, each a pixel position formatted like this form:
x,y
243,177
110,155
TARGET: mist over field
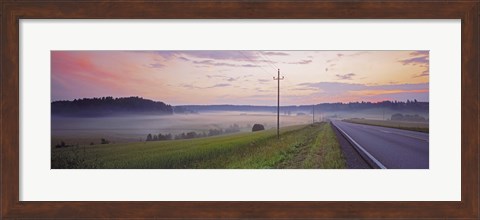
x,y
135,128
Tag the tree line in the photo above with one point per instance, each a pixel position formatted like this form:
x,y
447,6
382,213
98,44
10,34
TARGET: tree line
x,y
62,143
192,134
406,117
413,105
105,106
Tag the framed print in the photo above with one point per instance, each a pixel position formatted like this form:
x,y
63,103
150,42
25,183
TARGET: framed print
x,y
239,109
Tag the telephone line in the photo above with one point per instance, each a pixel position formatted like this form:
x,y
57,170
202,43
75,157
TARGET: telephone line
x,y
269,61
255,64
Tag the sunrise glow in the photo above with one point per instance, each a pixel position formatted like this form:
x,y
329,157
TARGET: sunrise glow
x,y
242,77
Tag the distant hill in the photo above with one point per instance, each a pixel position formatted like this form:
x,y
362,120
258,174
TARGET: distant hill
x,y
108,106
243,108
331,107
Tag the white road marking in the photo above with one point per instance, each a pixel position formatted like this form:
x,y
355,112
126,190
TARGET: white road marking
x,y
411,137
389,132
362,149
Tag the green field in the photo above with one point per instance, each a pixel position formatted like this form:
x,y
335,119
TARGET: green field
x,y
412,126
303,146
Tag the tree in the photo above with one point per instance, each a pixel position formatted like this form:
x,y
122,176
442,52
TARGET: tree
x,y
397,117
232,128
191,135
163,137
62,144
149,137
213,132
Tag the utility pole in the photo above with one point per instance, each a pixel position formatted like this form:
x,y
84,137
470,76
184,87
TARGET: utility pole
x,y
313,115
278,103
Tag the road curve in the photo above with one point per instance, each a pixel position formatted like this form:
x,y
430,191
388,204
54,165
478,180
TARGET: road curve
x,y
390,147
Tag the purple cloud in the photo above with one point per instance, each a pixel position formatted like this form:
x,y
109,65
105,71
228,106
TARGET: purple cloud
x,y
420,53
215,76
415,60
424,73
249,65
190,86
206,54
421,58
226,78
219,85
183,58
222,55
156,65
301,62
213,63
348,76
261,90
358,53
275,53
165,54
263,80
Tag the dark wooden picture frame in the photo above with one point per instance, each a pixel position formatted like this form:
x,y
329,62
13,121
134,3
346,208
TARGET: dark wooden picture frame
x,y
12,11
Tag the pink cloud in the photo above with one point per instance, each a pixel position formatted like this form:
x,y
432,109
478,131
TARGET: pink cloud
x,y
100,73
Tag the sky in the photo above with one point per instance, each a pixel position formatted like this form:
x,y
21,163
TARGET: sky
x,y
242,77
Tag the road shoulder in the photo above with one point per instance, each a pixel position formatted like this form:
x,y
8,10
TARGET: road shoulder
x,y
352,157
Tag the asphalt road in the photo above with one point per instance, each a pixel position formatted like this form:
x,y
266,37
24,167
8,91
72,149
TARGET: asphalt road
x,y
392,148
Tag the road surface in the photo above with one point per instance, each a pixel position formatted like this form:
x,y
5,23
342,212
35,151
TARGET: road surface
x,y
389,147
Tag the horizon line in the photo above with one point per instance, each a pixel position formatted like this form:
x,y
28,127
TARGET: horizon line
x,y
238,104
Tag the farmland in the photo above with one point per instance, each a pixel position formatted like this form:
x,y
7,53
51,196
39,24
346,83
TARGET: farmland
x,y
299,146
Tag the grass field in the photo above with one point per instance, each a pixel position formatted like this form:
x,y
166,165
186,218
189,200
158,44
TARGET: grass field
x,y
303,146
412,126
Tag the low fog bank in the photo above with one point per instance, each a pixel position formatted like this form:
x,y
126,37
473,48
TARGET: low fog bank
x,y
75,130
135,128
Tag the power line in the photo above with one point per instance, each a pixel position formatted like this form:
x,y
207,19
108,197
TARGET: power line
x,y
254,63
269,61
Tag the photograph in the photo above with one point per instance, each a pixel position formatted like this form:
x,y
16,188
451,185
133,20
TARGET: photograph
x,y
239,109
